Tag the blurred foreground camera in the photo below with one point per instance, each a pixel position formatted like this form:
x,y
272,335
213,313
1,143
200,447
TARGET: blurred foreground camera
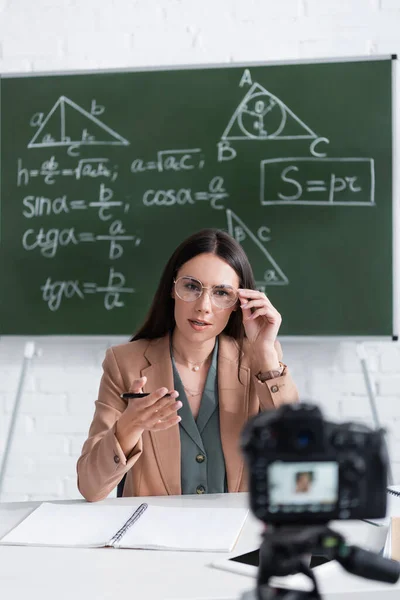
x,y
303,472
303,469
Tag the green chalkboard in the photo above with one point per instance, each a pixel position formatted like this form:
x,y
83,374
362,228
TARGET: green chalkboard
x,y
104,173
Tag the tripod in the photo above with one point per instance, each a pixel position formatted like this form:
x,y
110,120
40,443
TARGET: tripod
x,y
282,553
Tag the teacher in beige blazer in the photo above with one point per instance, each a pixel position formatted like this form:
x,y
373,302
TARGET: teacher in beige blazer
x,y
208,357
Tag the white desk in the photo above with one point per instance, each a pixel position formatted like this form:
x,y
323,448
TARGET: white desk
x,y
34,573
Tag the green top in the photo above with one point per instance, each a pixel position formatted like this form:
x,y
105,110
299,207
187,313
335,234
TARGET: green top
x,y
202,459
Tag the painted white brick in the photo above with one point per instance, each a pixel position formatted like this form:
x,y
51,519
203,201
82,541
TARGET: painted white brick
x,y
352,383
65,425
393,427
137,14
390,359
396,471
41,497
20,463
13,497
349,7
388,407
389,385
341,22
41,404
56,466
355,407
3,404
79,379
41,5
33,485
348,361
81,404
191,47
23,426
392,442
18,43
351,45
261,11
190,13
37,444
9,378
18,64
390,5
76,444
386,45
66,63
98,43
71,488
254,48
9,382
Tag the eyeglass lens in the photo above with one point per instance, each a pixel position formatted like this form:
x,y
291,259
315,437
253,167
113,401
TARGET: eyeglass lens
x,y
189,290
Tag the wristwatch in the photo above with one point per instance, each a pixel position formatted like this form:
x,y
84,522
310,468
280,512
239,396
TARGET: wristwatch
x,y
266,375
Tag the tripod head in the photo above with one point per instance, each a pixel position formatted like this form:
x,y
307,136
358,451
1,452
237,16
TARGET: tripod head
x,y
283,553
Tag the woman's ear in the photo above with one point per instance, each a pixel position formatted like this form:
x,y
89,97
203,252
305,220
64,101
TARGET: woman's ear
x,y
235,306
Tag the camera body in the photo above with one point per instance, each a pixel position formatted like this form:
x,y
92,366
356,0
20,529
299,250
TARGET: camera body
x,y
305,470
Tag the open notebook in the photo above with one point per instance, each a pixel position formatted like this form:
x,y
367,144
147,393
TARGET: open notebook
x,y
140,526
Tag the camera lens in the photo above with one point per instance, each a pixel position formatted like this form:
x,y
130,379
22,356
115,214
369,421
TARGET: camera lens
x,y
304,439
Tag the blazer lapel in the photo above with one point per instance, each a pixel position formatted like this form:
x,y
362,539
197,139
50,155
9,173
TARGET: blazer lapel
x,y
166,444
233,408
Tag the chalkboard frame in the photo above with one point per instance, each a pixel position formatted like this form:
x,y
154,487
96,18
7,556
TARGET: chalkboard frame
x,y
395,171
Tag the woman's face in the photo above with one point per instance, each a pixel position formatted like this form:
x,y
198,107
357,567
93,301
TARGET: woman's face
x,y
201,320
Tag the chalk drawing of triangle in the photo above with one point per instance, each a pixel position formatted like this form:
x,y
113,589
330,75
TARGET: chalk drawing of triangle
x,y
263,116
67,123
266,270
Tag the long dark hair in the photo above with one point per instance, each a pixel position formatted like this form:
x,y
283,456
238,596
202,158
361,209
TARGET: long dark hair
x,y
160,319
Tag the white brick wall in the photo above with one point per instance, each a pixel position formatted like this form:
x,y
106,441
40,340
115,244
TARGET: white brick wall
x,y
61,385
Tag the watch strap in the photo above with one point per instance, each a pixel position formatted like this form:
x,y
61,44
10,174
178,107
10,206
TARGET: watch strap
x,y
272,374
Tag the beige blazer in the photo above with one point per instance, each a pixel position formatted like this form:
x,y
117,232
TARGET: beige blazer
x,y
154,466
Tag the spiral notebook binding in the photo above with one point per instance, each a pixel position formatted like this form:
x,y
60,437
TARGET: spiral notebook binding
x,y
132,519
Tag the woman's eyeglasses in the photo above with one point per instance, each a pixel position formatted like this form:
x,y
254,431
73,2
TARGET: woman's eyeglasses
x,y
190,289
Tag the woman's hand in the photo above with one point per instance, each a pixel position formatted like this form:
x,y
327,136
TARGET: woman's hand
x,y
155,412
261,325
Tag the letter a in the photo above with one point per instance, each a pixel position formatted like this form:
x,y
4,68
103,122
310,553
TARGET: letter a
x,y
246,78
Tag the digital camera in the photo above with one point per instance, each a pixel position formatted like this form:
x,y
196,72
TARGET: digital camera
x,y
305,470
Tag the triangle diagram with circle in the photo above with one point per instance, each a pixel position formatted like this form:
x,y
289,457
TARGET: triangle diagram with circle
x,y
266,270
263,116
68,124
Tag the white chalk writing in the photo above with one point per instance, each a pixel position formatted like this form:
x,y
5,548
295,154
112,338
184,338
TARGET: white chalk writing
x,y
53,292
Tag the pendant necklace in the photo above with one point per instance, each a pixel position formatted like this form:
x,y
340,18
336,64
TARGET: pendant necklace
x,y
191,392
195,365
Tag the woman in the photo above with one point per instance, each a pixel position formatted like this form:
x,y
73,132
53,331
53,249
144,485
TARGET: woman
x,y
209,339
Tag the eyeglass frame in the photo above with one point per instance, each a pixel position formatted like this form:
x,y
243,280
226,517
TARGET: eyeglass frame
x,y
204,287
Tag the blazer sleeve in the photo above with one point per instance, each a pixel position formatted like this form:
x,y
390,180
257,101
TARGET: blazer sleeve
x,y
275,392
102,463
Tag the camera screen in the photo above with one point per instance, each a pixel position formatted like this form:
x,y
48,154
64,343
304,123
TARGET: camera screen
x,y
303,486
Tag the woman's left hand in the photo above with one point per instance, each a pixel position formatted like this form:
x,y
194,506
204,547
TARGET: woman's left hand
x,y
263,324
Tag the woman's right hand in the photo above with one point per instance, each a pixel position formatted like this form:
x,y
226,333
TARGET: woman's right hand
x,y
154,412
